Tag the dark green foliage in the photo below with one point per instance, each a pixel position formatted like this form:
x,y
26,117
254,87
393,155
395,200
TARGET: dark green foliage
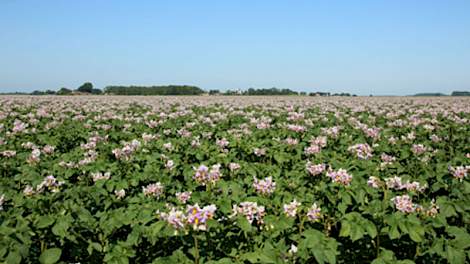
x,y
64,91
85,88
154,90
460,93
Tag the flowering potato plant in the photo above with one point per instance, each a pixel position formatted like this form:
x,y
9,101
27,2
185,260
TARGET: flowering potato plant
x,y
234,180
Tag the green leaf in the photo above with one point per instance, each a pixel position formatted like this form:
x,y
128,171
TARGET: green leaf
x,y
357,232
455,256
414,235
45,221
371,229
49,256
345,229
13,257
244,224
60,228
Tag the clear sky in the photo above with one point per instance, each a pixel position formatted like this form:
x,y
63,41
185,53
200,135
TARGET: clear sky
x,y
394,47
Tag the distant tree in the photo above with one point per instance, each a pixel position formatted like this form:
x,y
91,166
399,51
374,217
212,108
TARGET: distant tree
x,y
154,90
64,91
37,92
96,91
86,87
214,92
303,93
269,91
460,93
429,94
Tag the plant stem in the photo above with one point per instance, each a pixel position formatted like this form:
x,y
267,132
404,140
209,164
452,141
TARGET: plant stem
x,y
301,228
378,245
196,247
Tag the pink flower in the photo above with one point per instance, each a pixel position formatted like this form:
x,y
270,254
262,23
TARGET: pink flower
x,y
154,189
222,142
313,149
340,176
250,210
394,183
314,213
315,169
175,218
292,141
320,141
459,172
100,176
291,209
183,197
8,153
387,158
48,149
50,183
374,182
234,166
265,186
198,217
296,128
35,156
418,149
404,204
205,176
363,151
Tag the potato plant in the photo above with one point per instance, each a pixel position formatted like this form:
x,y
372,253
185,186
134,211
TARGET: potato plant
x,y
234,180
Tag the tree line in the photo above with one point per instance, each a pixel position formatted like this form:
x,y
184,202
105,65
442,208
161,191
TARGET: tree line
x,y
154,90
88,88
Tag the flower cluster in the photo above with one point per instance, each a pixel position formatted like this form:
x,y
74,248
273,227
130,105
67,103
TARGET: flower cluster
x,y
194,216
362,151
265,186
386,160
315,169
291,209
183,197
222,143
396,184
234,166
154,189
197,217
251,211
314,213
316,145
204,176
374,182
418,149
340,176
35,156
8,153
120,193
291,141
459,172
126,152
404,204
100,176
296,128
433,209
49,183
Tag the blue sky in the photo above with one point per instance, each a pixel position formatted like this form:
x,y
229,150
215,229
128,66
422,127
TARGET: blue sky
x,y
379,47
